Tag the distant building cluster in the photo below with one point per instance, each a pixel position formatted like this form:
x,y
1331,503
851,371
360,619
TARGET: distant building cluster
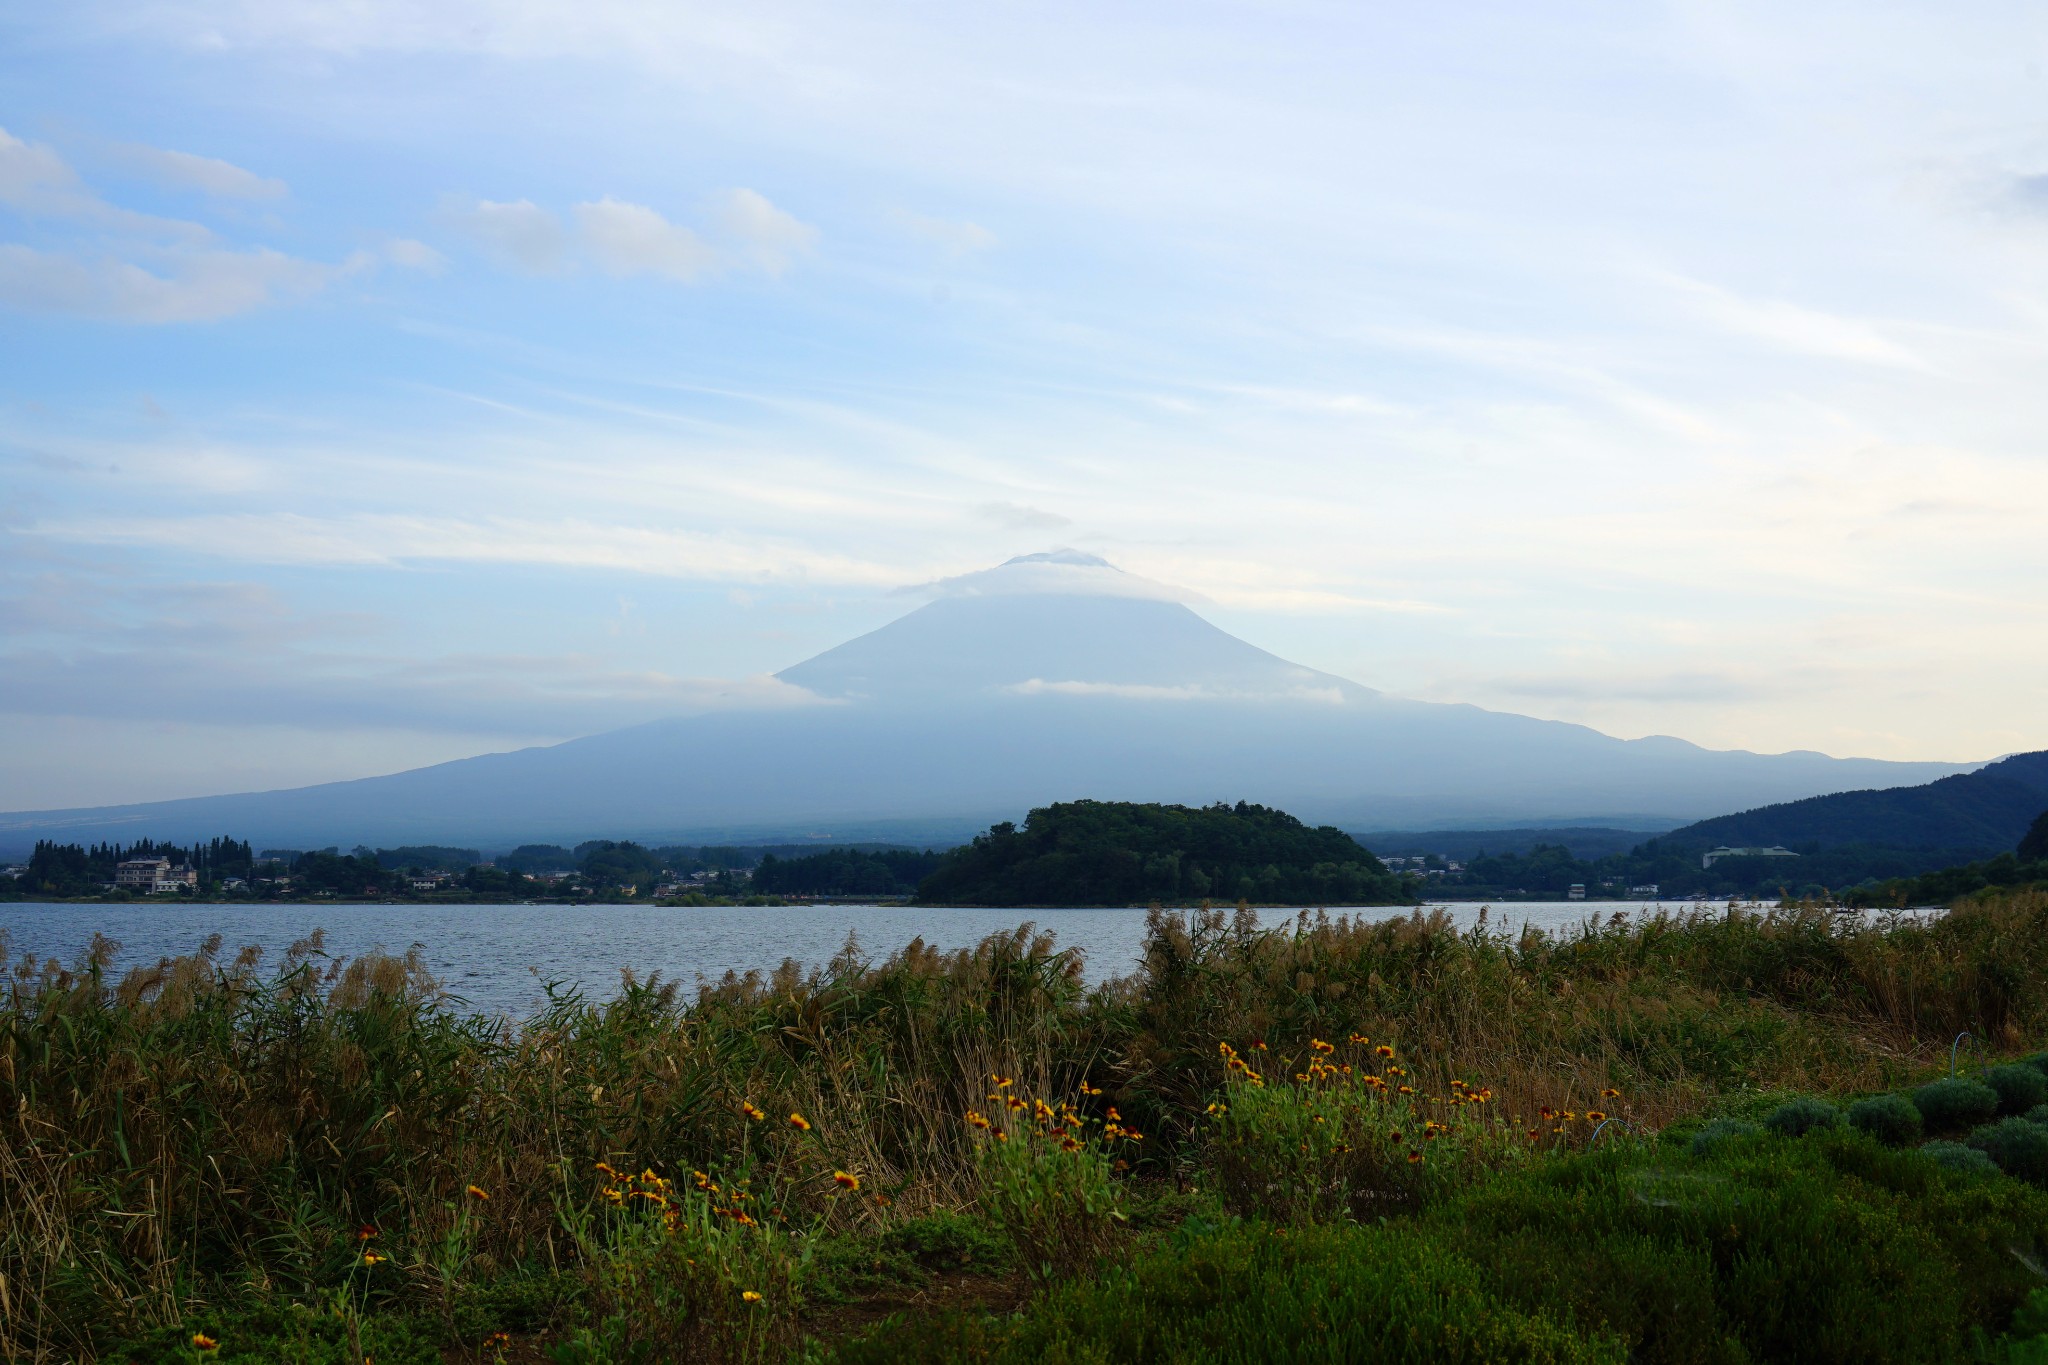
x,y
1423,865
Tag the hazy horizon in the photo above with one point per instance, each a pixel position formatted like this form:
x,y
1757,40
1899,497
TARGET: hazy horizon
x,y
392,383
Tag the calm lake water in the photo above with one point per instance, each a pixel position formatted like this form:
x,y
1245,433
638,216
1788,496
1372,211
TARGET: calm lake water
x,y
497,956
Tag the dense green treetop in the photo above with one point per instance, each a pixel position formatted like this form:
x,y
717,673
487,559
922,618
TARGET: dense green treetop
x,y
1124,853
845,872
2034,848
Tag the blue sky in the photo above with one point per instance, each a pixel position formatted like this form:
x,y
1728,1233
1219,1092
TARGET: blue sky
x,y
387,382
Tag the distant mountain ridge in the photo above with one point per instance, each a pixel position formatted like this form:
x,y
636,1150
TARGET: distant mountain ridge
x,y
1046,679
1987,811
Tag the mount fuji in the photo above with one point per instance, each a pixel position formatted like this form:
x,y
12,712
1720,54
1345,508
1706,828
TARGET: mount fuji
x,y
1050,677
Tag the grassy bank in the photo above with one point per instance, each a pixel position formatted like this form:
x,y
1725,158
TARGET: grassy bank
x,y
323,1160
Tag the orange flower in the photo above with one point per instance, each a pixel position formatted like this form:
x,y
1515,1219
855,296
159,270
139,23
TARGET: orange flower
x,y
1360,1039
1595,1116
1414,1156
747,1108
203,1342
1000,1079
800,1123
1610,1093
749,1296
372,1258
478,1192
1218,1108
976,1120
1319,1045
846,1181
1383,1050
365,1233
1114,1116
1088,1089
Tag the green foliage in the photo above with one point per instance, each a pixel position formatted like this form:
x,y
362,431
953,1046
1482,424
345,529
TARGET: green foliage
x,y
1123,853
1830,1249
332,1334
845,872
2020,1148
1713,1136
1955,1102
1047,1179
2020,1087
1891,1119
948,1240
2034,847
1955,1156
1252,1293
1802,1115
429,858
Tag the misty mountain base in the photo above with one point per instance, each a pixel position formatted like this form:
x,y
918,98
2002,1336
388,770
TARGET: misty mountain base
x,y
1452,1136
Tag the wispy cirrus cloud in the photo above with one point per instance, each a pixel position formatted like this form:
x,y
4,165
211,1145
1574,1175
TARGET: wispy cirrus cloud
x,y
625,239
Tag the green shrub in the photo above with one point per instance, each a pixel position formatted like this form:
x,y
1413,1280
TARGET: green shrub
x,y
1955,1156
2039,1061
2020,1148
1720,1133
1891,1119
1257,1292
1955,1103
1799,1116
2038,1114
2019,1087
287,1331
945,1240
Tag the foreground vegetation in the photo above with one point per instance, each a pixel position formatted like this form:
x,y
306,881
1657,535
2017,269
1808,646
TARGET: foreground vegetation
x,y
1321,1142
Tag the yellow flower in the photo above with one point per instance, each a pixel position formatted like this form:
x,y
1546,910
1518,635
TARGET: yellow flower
x,y
478,1192
749,1296
1219,1108
1320,1046
800,1123
1001,1080
1359,1039
372,1258
203,1342
846,1181
1383,1050
1595,1116
976,1120
1088,1089
1414,1157
1610,1093
747,1108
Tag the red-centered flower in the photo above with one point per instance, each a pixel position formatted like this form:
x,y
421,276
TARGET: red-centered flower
x,y
478,1192
1610,1093
748,1108
204,1343
1383,1051
800,1123
846,1181
1414,1156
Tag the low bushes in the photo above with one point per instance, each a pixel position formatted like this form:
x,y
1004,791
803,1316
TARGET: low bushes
x,y
1953,1103
1800,1116
2020,1148
1891,1119
1833,1248
2019,1087
1955,1156
1713,1136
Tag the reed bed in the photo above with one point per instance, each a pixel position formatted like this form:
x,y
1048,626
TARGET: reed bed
x,y
212,1130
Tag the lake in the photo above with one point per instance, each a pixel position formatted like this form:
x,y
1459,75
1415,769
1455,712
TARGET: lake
x,y
496,957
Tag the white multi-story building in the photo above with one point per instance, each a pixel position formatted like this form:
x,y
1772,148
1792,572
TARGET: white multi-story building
x,y
153,875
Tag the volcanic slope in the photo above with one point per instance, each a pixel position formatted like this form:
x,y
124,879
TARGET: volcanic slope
x,y
1049,678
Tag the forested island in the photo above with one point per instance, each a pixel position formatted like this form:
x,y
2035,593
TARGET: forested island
x,y
1129,853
